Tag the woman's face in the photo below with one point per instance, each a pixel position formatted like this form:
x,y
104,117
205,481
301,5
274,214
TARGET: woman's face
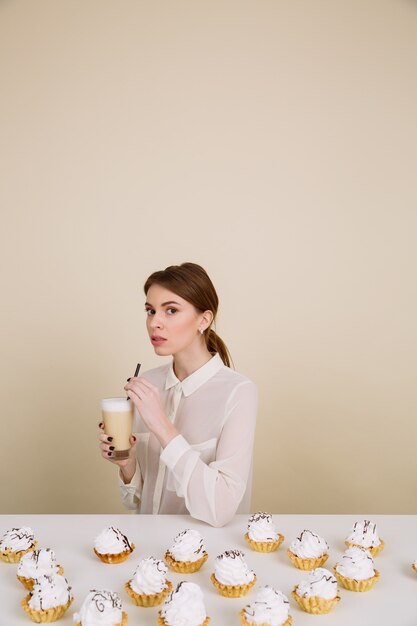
x,y
173,323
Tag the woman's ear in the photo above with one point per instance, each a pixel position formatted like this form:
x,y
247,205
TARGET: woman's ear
x,y
206,319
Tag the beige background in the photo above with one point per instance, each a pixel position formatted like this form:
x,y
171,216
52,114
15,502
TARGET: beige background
x,y
275,143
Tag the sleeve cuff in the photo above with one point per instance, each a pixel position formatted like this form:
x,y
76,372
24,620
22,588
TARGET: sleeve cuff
x,y
174,451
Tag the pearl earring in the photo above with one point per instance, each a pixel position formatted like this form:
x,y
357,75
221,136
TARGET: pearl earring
x,y
201,331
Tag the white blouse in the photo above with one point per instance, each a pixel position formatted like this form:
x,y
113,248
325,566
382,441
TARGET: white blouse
x,y
205,471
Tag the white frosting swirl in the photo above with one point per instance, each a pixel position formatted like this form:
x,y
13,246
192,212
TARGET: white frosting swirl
x,y
37,563
149,577
270,607
17,539
320,583
356,563
184,606
49,592
100,608
111,541
231,569
364,534
261,527
309,545
187,546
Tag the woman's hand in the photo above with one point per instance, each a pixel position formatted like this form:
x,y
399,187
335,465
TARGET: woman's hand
x,y
127,466
147,400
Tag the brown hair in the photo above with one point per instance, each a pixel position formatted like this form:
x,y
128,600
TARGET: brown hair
x,y
191,282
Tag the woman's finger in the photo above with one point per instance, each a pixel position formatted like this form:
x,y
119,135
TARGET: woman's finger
x,y
104,437
138,386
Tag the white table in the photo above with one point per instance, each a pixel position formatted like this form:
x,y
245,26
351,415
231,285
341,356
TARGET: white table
x,y
392,602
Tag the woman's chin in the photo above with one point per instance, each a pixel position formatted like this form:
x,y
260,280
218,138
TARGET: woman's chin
x,y
162,350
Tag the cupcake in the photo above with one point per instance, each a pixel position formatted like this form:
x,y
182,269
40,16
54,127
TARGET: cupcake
x,y
49,599
149,585
318,594
308,551
262,534
365,535
187,553
101,608
37,563
232,577
355,571
15,543
271,608
184,607
111,546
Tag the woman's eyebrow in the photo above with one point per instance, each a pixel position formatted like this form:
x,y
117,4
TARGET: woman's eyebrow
x,y
163,304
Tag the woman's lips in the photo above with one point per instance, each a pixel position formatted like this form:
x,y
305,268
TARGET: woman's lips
x,y
157,341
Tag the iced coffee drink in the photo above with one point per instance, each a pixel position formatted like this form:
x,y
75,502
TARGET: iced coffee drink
x,y
118,422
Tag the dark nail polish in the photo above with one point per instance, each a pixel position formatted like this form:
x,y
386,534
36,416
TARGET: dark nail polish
x,y
134,438
100,425
108,453
111,447
129,379
109,438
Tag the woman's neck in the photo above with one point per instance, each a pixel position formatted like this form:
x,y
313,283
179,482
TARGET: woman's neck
x,y
186,364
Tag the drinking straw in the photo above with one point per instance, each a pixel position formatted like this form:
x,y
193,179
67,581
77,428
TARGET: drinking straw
x,y
136,373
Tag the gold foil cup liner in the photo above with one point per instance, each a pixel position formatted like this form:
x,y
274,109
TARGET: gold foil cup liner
x,y
115,558
356,585
122,623
162,622
232,591
46,616
414,567
246,623
185,567
28,583
374,551
315,604
151,599
307,564
14,557
264,546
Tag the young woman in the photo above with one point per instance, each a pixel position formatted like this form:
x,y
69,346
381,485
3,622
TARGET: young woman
x,y
195,420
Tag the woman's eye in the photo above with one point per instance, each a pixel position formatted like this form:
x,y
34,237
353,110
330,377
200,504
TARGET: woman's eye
x,y
171,311
149,311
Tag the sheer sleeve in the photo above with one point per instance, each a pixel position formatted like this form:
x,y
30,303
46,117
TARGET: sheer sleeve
x,y
213,491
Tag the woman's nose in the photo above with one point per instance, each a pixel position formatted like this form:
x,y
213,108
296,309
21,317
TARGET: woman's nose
x,y
156,321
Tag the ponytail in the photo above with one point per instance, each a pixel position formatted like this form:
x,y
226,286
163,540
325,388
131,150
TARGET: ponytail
x,y
216,345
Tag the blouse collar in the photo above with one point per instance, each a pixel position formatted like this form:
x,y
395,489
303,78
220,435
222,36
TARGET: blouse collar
x,y
197,378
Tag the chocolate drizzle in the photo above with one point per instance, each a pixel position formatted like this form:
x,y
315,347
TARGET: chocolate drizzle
x,y
301,537
102,598
231,554
261,515
367,527
123,537
18,534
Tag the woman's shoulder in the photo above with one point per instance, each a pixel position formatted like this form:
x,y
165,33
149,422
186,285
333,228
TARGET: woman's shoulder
x,y
236,379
